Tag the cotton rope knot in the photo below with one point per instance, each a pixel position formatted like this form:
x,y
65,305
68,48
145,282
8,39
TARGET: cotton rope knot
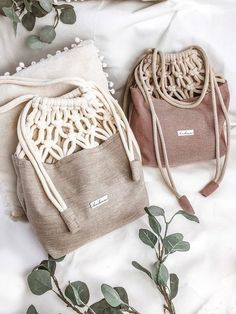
x,y
194,71
48,144
107,116
91,130
43,107
57,123
179,75
190,86
172,88
41,124
72,137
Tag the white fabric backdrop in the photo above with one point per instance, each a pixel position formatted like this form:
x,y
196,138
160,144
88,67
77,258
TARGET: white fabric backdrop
x,y
122,30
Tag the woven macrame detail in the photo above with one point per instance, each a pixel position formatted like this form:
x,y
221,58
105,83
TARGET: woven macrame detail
x,y
184,74
63,126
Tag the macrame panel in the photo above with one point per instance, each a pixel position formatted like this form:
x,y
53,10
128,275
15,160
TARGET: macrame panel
x,y
184,74
60,127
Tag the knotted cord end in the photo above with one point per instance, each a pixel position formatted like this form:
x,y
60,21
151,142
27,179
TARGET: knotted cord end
x,y
70,220
136,170
209,188
186,205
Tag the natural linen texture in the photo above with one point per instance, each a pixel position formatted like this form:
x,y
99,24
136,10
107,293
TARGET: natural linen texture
x,y
178,111
82,61
78,165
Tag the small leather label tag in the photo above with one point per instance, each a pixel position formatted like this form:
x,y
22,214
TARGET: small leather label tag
x,y
99,201
185,132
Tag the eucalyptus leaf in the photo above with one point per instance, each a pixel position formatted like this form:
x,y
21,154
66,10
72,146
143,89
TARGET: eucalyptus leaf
x,y
78,293
48,265
37,10
174,286
68,16
174,243
39,281
11,14
123,294
163,274
58,260
171,241
111,310
111,295
188,216
28,21
5,4
46,5
32,310
47,34
34,42
99,307
148,237
141,268
154,211
124,297
155,225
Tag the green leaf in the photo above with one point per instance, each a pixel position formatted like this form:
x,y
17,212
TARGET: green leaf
x,y
28,21
37,10
141,268
63,6
111,310
174,286
78,293
68,16
48,265
174,243
188,216
154,211
46,5
34,42
5,4
47,34
147,237
99,307
155,225
11,14
111,296
32,310
58,260
163,274
123,294
39,281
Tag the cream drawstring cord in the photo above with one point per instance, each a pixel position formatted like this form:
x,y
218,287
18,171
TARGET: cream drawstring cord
x,y
30,149
140,78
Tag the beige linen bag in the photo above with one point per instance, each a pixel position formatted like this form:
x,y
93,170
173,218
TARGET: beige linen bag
x,y
178,111
77,162
82,60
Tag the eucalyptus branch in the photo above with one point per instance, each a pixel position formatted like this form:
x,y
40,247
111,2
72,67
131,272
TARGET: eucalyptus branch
x,y
28,12
164,245
76,295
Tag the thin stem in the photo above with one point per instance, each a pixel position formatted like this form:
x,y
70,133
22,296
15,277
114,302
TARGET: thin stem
x,y
169,305
57,18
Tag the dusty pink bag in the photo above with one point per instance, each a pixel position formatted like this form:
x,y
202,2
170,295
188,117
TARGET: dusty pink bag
x,y
178,109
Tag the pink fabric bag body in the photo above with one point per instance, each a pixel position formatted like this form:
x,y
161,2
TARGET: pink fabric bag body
x,y
178,112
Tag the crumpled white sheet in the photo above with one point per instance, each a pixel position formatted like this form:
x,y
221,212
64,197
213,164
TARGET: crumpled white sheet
x,y
122,30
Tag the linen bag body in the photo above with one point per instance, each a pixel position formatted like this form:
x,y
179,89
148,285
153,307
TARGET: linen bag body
x,y
83,61
78,165
177,111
